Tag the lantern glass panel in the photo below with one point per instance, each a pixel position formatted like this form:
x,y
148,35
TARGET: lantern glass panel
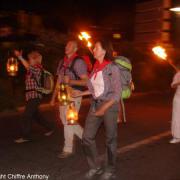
x,y
72,115
12,66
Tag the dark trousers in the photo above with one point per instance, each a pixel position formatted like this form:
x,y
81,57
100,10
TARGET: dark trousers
x,y
90,131
31,114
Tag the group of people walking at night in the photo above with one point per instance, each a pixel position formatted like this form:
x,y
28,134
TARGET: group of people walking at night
x,y
103,84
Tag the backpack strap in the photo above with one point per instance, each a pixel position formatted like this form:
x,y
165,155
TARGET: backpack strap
x,y
71,68
61,65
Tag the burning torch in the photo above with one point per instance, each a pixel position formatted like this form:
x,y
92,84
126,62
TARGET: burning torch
x,y
84,36
162,54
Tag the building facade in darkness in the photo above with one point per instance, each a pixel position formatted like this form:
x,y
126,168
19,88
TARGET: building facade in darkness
x,y
153,23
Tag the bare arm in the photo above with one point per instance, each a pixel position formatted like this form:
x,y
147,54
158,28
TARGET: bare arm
x,y
81,82
25,63
86,93
75,93
104,108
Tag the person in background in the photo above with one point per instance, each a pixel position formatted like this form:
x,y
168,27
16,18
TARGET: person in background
x,y
176,110
76,78
105,87
33,98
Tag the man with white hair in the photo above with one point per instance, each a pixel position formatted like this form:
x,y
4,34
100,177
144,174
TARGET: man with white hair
x,y
33,97
72,70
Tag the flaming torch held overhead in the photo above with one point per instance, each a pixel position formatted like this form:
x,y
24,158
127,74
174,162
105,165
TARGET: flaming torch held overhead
x,y
84,36
162,54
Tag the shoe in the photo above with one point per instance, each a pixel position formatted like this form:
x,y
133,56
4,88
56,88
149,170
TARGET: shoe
x,y
107,176
174,141
64,155
49,133
93,172
21,140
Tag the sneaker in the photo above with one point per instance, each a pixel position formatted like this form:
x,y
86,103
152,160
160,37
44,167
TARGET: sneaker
x,y
49,133
21,140
64,155
174,141
107,176
93,172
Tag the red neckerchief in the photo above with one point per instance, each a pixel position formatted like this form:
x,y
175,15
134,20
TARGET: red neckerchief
x,y
67,61
39,66
99,67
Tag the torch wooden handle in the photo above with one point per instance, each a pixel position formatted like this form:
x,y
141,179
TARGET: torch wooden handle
x,y
170,62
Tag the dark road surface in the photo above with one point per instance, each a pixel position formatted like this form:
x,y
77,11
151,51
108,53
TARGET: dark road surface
x,y
147,116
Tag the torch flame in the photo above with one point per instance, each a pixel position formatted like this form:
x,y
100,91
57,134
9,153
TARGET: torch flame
x,y
85,35
80,37
160,52
89,44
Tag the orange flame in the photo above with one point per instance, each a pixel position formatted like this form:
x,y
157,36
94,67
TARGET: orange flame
x,y
160,52
80,37
72,115
89,44
12,66
84,35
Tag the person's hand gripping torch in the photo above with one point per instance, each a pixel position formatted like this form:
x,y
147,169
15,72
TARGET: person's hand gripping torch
x,y
162,54
84,36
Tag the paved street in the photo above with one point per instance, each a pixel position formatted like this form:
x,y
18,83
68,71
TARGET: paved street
x,y
143,149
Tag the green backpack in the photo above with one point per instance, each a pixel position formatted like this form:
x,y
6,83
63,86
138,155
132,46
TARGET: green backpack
x,y
125,67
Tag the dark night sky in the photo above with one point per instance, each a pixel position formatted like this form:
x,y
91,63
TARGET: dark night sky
x,y
92,11
85,12
83,8
44,5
